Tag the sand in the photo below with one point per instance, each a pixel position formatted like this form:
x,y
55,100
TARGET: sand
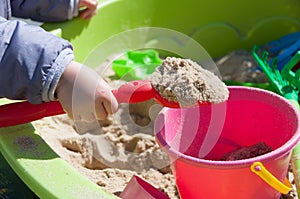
x,y
252,151
186,82
125,144
111,158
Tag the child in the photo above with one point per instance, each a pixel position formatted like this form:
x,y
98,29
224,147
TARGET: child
x,y
39,67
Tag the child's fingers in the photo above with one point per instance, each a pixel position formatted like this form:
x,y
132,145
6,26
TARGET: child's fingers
x,y
86,14
90,8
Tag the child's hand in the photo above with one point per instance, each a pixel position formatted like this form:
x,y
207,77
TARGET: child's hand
x,y
89,8
84,95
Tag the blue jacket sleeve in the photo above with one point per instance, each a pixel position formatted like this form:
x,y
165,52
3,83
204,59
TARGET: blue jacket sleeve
x,y
45,10
31,61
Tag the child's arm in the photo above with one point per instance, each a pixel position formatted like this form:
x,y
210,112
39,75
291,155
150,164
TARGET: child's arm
x,y
45,10
53,11
38,66
32,61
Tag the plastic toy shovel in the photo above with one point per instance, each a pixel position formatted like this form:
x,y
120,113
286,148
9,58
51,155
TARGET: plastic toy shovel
x,y
138,188
130,92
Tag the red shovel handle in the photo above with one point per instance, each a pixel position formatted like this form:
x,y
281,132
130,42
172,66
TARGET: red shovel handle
x,y
134,92
24,112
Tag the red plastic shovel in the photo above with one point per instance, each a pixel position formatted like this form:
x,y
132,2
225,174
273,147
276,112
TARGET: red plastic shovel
x,y
139,188
130,92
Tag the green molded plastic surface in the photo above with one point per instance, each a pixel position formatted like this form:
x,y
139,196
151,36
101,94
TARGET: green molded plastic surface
x,y
11,186
219,26
136,64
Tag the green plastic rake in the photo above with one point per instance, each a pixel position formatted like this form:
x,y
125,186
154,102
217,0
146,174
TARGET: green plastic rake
x,y
291,71
281,84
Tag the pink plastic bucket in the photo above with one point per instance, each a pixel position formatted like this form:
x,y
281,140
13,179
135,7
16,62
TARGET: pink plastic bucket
x,y
196,138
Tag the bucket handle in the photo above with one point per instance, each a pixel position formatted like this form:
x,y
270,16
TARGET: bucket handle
x,y
259,169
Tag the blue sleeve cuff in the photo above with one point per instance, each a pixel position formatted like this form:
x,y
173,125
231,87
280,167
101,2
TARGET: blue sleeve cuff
x,y
73,9
57,69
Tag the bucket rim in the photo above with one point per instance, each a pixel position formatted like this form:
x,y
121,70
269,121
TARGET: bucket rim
x,y
279,152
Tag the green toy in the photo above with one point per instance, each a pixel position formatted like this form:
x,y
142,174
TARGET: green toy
x,y
281,85
136,64
291,70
